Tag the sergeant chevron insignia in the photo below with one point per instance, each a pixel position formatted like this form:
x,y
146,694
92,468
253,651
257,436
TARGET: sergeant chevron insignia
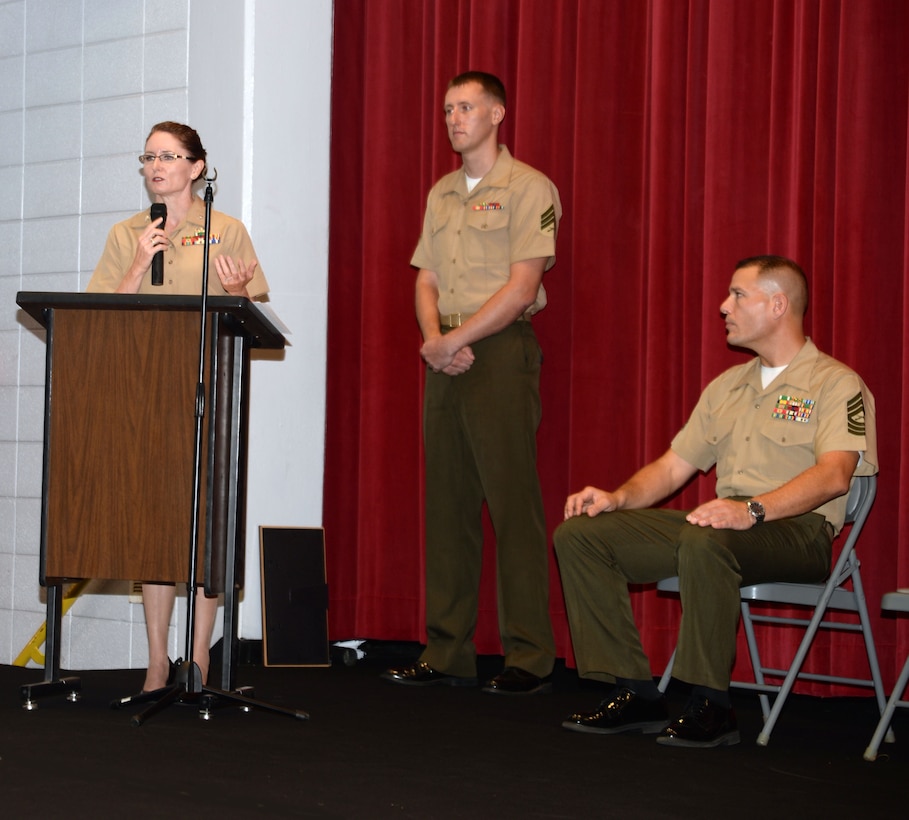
x,y
855,415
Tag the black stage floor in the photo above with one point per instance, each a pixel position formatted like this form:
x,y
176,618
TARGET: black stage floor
x,y
374,749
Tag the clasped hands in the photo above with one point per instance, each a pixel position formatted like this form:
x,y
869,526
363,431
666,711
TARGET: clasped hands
x,y
443,357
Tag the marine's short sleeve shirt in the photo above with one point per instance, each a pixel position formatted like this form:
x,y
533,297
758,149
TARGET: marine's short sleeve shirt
x,y
183,256
761,438
470,240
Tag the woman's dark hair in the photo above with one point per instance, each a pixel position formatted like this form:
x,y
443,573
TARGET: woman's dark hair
x,y
189,139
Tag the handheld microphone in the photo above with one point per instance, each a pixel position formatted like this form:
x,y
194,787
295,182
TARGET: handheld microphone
x,y
158,211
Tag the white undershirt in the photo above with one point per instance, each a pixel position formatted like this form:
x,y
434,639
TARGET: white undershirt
x,y
472,183
768,374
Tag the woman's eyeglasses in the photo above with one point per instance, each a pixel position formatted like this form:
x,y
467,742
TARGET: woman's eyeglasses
x,y
164,156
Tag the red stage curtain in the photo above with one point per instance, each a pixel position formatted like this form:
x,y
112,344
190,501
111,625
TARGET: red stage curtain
x,y
683,136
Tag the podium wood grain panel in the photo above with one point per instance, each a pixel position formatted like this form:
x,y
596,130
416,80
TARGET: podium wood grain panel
x,y
119,481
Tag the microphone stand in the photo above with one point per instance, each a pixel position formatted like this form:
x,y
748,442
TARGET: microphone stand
x,y
187,686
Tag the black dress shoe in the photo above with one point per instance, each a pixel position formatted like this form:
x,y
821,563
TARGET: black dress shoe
x,y
623,711
703,725
517,681
422,674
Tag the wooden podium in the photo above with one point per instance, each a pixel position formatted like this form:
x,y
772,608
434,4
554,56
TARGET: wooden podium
x,y
121,413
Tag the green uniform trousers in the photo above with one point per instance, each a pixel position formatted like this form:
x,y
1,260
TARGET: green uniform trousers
x,y
479,432
598,557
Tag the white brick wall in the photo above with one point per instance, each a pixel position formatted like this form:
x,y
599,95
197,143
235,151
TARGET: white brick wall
x,y
81,83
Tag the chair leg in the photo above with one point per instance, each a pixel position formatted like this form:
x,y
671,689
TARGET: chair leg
x,y
865,619
883,725
667,674
796,666
756,665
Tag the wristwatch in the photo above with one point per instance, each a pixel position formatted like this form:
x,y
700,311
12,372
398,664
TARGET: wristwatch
x,y
757,511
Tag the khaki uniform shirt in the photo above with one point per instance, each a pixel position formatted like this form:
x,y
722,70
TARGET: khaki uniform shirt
x,y
183,257
470,240
761,438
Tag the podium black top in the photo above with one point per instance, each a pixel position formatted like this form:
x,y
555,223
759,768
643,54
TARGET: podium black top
x,y
252,321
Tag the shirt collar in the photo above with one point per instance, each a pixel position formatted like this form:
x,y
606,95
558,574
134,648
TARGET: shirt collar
x,y
796,377
496,177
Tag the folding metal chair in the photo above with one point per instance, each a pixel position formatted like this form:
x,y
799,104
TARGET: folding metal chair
x,y
892,602
832,595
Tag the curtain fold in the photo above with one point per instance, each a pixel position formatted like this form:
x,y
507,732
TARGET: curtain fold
x,y
682,136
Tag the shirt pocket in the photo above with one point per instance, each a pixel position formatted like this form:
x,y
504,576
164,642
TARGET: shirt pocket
x,y
439,224
486,240
434,246
790,445
718,429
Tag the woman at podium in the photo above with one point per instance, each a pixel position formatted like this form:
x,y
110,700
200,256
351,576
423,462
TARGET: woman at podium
x,y
160,251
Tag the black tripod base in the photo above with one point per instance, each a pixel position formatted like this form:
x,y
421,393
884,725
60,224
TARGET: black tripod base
x,y
242,697
30,692
187,689
157,700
